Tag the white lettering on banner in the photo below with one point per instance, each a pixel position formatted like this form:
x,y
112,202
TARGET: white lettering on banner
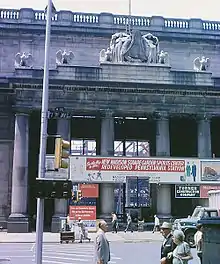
x,y
117,169
104,164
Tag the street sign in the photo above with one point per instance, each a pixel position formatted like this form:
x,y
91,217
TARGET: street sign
x,y
50,170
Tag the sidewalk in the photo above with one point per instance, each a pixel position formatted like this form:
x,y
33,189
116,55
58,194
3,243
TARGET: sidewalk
x,y
55,237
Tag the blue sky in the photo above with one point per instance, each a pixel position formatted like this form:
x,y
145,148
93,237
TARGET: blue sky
x,y
208,10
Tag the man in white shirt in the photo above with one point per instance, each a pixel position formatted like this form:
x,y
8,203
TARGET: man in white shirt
x,y
114,223
198,237
156,224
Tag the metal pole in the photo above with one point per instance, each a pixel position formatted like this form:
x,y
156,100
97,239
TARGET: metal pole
x,y
129,18
43,138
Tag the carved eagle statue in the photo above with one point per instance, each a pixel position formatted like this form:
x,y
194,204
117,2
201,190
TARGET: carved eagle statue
x,y
163,57
23,60
64,58
201,64
105,55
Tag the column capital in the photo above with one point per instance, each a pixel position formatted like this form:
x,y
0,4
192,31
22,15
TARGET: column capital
x,y
22,114
161,115
22,111
106,113
204,117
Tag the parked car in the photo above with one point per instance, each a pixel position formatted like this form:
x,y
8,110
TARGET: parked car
x,y
188,225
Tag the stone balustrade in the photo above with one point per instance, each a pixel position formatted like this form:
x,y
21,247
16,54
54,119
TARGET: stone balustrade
x,y
118,21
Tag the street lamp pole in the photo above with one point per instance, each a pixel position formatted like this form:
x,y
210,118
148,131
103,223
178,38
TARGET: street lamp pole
x,y
43,138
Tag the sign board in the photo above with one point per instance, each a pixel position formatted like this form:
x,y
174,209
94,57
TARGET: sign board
x,y
204,189
117,169
50,173
187,191
86,213
89,190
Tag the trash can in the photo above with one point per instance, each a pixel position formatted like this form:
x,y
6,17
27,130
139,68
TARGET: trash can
x,y
211,238
66,234
140,226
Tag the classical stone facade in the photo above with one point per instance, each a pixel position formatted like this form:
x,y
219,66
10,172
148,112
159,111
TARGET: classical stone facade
x,y
167,77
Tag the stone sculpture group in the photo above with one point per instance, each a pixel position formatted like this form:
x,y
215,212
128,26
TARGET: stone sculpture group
x,y
134,48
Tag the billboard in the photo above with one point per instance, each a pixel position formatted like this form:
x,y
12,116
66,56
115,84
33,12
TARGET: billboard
x,y
210,170
117,169
187,191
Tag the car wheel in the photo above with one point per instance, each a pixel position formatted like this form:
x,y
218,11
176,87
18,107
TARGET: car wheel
x,y
189,238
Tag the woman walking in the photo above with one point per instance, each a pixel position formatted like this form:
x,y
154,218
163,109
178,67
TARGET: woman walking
x,y
182,252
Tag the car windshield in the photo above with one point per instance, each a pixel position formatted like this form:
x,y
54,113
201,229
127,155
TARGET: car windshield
x,y
197,213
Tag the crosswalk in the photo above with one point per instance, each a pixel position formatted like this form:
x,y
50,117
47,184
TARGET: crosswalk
x,y
71,253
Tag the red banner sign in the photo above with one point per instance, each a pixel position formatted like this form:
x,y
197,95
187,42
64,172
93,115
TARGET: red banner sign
x,y
89,190
84,212
129,164
205,188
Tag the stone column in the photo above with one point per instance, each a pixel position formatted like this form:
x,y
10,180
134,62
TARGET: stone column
x,y
107,149
162,135
60,205
204,137
163,150
164,201
18,220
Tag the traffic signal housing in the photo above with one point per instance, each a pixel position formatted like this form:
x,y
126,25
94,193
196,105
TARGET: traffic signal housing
x,y
62,153
79,195
51,189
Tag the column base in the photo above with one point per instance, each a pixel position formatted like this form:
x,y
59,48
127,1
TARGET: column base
x,y
3,223
18,223
56,224
164,218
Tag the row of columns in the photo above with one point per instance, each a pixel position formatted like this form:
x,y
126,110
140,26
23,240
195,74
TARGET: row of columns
x,y
18,220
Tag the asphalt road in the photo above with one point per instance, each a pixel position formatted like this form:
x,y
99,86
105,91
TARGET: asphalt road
x,y
122,253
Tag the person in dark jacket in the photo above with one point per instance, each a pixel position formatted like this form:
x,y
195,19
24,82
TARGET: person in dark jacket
x,y
168,245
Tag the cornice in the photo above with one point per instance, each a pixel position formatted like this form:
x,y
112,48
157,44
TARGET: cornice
x,y
130,88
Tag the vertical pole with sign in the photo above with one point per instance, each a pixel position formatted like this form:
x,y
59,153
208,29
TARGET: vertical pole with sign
x,y
43,137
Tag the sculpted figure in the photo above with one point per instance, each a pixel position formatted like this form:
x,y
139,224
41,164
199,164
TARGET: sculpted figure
x,y
116,44
136,49
163,57
23,60
105,55
201,64
153,43
62,57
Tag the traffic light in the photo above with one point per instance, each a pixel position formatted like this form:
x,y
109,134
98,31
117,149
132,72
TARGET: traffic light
x,y
79,195
51,189
62,152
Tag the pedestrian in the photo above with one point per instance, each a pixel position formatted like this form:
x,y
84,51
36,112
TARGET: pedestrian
x,y
102,249
83,233
156,224
198,238
114,223
182,252
168,244
129,223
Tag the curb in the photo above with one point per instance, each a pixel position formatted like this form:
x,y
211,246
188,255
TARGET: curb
x,y
92,242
